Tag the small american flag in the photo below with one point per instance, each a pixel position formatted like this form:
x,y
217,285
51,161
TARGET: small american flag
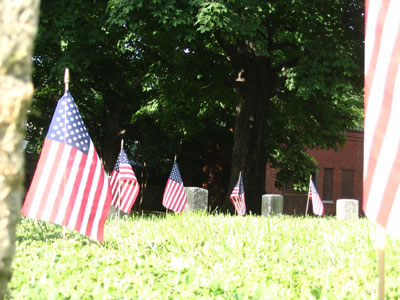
x,y
318,206
174,194
382,110
238,199
124,185
69,187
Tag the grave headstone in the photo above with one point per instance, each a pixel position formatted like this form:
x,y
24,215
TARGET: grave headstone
x,y
346,209
272,204
113,212
197,199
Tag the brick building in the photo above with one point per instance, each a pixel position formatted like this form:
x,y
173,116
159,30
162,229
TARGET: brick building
x,y
339,176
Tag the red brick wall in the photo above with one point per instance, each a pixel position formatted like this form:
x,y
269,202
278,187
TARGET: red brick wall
x,y
350,156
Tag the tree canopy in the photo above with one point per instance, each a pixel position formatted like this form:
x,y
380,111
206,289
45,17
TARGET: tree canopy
x,y
267,78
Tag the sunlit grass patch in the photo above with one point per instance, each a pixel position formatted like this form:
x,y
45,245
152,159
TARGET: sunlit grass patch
x,y
199,256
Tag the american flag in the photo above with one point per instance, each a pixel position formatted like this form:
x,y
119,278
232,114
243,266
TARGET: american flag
x,y
318,206
69,187
174,197
124,185
382,114
238,199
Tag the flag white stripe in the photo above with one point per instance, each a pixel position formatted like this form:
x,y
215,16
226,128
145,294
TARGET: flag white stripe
x,y
371,31
100,208
168,191
174,196
393,220
387,156
90,200
79,197
132,196
68,189
376,95
128,194
180,201
44,178
56,182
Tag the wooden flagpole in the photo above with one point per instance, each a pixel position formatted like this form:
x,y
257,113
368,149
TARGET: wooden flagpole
x,y
66,79
240,175
119,185
166,209
308,194
380,243
66,89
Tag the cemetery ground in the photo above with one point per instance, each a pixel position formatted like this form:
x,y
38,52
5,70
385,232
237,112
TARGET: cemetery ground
x,y
200,256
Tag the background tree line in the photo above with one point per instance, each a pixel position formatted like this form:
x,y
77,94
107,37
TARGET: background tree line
x,y
226,85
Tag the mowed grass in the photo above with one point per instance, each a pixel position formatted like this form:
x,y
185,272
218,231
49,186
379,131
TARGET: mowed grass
x,y
199,256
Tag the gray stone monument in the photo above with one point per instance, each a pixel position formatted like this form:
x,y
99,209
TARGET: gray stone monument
x,y
113,212
272,204
346,209
197,199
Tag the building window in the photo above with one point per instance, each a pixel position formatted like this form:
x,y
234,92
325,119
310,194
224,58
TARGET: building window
x,y
327,192
347,184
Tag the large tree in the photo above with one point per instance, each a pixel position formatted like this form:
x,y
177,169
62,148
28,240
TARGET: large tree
x,y
105,72
130,84
18,27
295,69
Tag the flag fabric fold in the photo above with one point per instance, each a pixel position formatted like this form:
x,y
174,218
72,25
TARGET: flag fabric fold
x,y
237,198
124,185
174,197
318,206
69,187
381,191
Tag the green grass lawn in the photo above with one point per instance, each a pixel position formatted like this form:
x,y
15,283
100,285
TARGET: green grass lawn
x,y
199,256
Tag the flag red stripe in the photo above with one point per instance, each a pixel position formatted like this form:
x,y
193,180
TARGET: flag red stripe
x,y
174,196
62,187
54,179
106,207
132,197
375,52
383,120
36,178
167,198
129,188
65,188
124,187
178,204
390,192
93,209
85,198
75,190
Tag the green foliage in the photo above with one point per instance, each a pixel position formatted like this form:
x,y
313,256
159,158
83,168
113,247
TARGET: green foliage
x,y
162,74
198,256
314,51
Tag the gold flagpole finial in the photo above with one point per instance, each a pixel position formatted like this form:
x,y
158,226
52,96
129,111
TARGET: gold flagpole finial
x,y
66,79
175,158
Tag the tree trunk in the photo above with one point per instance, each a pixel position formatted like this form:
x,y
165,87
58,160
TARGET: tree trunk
x,y
253,92
18,27
111,138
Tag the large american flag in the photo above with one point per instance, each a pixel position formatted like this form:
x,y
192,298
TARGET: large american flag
x,y
124,185
69,187
382,114
237,198
174,197
318,206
